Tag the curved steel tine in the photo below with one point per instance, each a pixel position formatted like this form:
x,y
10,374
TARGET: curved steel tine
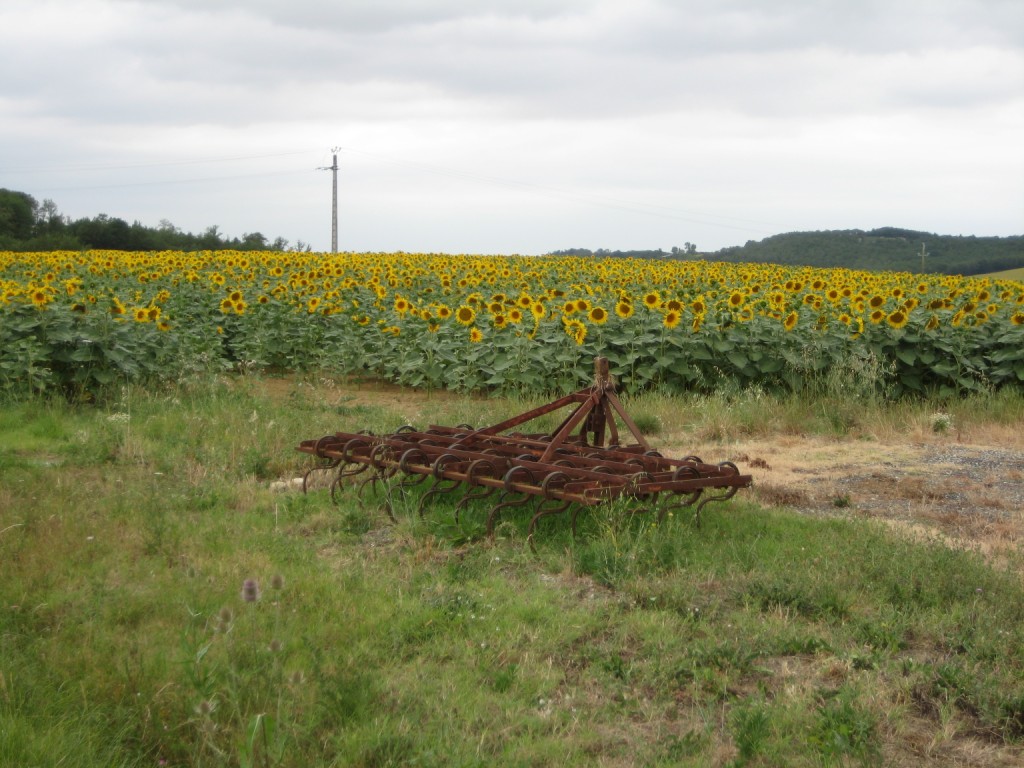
x,y
708,499
335,485
524,498
410,480
357,468
437,472
435,489
380,468
561,506
472,495
668,506
472,471
311,470
551,482
410,456
371,480
343,471
388,503
572,518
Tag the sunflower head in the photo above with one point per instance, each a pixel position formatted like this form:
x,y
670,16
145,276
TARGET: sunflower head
x,y
898,318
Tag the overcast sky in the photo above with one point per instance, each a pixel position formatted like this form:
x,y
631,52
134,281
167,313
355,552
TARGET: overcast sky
x,y
519,126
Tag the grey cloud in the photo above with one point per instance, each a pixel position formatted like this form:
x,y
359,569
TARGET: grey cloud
x,y
245,61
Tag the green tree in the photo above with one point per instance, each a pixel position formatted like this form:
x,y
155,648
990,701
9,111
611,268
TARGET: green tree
x,y
18,214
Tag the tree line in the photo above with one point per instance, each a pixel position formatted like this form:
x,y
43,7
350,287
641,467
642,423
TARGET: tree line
x,y
28,225
886,249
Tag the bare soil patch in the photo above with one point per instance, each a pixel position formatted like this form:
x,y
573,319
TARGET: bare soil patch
x,y
970,494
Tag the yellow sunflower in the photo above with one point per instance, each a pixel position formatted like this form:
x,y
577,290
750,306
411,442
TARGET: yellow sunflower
x,y
898,319
576,331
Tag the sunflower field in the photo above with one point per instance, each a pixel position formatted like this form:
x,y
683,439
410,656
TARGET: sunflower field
x,y
79,321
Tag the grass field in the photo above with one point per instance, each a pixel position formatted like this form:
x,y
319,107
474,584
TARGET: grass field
x,y
160,605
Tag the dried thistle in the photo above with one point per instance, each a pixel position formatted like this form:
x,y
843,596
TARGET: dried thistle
x,y
250,591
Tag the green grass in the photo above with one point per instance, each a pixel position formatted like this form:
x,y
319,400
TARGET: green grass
x,y
758,638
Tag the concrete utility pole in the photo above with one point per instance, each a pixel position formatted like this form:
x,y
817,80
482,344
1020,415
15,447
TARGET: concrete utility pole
x,y
334,199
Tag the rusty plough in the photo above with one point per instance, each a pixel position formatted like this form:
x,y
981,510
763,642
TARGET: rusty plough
x,y
580,464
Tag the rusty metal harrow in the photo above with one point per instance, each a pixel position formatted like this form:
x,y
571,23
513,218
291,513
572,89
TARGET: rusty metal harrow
x,y
555,470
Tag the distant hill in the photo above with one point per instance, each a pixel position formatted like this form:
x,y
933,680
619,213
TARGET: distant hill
x,y
878,250
884,249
